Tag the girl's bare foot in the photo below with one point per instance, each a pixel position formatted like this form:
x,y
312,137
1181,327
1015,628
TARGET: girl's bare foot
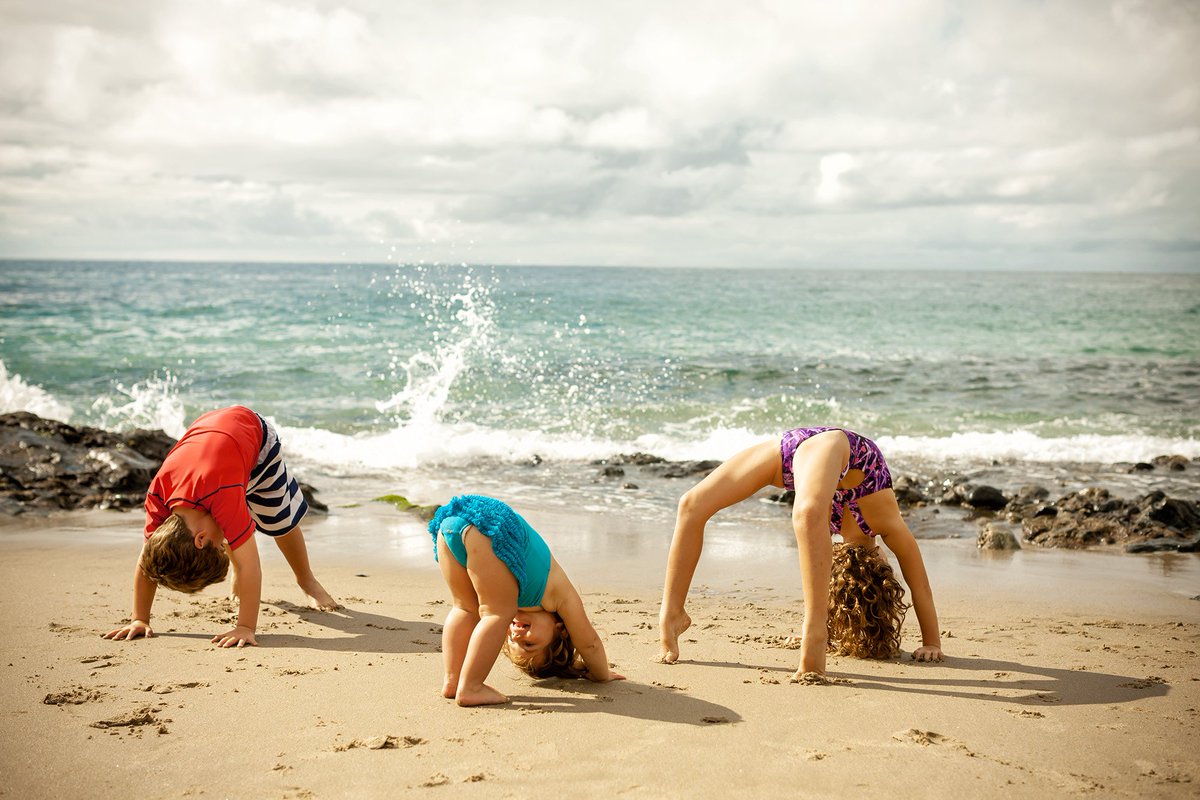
x,y
317,596
450,687
483,696
670,627
810,678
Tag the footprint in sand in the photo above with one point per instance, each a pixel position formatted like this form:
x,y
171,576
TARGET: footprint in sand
x,y
134,721
380,743
817,679
94,659
1026,713
73,697
930,738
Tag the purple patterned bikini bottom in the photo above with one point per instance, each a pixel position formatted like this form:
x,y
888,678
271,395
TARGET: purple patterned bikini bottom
x,y
864,456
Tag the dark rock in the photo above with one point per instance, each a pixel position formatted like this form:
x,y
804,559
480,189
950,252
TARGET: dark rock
x,y
636,459
1094,517
908,491
992,537
1143,466
630,486
49,465
788,497
1178,514
987,497
1030,494
313,503
682,469
1176,463
612,472
953,496
1163,544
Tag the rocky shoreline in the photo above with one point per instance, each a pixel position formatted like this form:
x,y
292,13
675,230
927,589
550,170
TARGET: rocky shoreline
x,y
1088,517
46,466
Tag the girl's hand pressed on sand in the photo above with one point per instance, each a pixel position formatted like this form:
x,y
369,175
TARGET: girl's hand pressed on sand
x,y
927,653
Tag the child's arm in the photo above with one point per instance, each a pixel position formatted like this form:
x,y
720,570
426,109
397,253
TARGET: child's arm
x,y
249,584
901,542
143,599
584,636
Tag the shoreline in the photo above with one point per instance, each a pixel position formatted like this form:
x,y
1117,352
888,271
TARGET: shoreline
x,y
1067,672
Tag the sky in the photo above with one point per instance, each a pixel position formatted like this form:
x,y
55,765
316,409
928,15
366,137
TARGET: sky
x,y
986,134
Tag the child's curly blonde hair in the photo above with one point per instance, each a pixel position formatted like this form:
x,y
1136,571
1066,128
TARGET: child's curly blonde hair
x,y
866,604
557,660
170,558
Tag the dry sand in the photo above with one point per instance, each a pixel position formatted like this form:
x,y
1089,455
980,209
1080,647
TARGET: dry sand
x,y
1067,674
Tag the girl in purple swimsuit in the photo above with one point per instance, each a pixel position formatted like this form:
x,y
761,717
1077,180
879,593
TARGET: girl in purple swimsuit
x,y
832,471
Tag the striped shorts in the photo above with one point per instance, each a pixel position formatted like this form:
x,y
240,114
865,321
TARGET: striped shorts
x,y
276,503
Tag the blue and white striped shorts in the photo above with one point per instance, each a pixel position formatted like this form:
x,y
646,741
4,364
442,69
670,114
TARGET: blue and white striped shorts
x,y
276,503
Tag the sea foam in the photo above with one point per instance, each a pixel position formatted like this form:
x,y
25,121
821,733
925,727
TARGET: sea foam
x,y
17,395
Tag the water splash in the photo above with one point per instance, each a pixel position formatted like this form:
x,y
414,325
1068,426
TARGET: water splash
x,y
460,326
154,403
17,395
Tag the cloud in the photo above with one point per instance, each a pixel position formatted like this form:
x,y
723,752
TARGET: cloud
x,y
911,133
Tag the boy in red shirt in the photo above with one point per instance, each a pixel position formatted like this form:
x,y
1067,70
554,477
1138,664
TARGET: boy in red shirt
x,y
222,480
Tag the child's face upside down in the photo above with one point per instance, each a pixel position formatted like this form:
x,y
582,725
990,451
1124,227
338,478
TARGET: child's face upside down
x,y
532,631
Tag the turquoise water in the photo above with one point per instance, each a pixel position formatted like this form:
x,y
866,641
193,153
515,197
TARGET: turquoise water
x,y
378,367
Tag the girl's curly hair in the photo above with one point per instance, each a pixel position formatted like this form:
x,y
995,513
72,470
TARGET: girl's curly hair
x,y
866,604
557,660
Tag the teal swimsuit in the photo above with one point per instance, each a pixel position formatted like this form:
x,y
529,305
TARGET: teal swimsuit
x,y
514,541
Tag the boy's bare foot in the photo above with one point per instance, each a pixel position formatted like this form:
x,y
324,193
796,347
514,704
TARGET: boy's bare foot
x,y
670,627
483,696
319,598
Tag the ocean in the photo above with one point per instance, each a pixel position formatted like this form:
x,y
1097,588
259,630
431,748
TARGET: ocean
x,y
518,380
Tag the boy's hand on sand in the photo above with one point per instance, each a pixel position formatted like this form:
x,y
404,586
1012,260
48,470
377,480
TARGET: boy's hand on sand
x,y
927,653
238,637
133,630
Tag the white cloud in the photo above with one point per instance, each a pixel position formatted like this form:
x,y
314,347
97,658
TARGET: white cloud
x,y
913,133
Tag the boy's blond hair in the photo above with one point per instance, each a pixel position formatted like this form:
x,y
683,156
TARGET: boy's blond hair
x,y
866,604
170,558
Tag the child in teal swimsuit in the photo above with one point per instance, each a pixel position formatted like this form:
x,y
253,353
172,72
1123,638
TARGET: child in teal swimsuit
x,y
509,593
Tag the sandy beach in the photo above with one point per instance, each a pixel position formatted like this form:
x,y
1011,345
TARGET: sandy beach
x,y
1067,674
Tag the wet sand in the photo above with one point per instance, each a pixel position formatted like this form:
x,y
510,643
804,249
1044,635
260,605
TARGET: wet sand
x,y
1067,674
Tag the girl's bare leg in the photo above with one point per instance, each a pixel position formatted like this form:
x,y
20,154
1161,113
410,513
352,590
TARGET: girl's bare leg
x,y
883,516
497,591
733,481
817,467
460,622
291,544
